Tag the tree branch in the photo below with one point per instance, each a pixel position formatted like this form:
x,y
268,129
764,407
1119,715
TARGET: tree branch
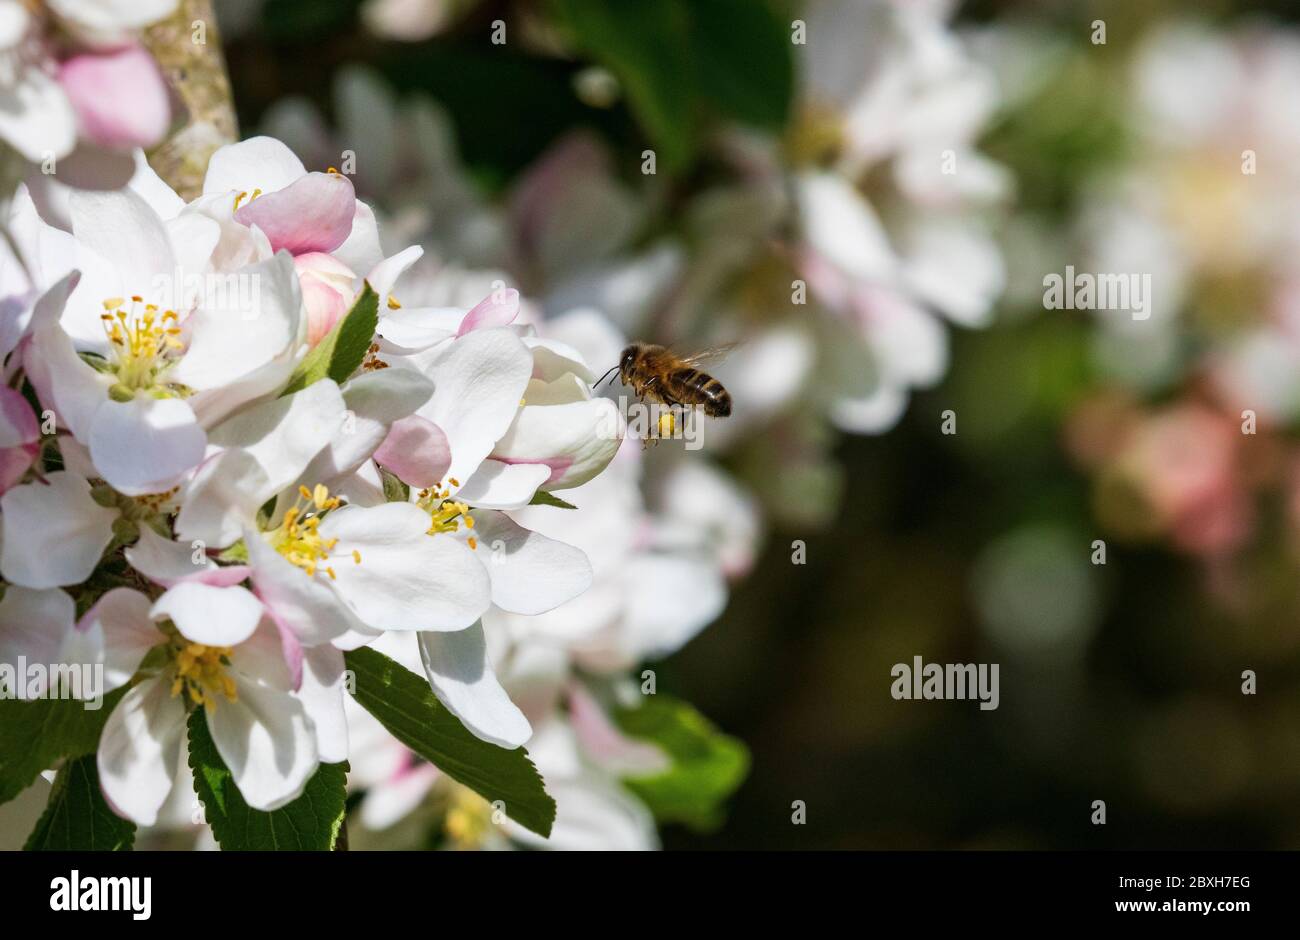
x,y
197,71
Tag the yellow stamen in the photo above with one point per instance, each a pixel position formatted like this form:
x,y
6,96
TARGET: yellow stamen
x,y
445,514
200,672
143,346
298,538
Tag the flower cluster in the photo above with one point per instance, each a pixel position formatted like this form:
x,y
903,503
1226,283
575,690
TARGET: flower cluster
x,y
77,84
232,453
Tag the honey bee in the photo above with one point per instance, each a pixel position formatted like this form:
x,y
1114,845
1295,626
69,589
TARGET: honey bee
x,y
660,374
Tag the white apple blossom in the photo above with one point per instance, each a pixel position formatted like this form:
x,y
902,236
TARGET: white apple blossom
x,y
79,90
259,514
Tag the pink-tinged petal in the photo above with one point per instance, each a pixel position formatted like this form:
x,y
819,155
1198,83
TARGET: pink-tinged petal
x,y
169,563
326,267
119,629
326,291
20,435
558,467
313,214
325,306
499,308
14,462
119,97
576,439
416,450
605,744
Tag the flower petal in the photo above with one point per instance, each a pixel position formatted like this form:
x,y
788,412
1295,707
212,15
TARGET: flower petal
x,y
244,327
19,437
299,602
257,163
283,435
576,440
322,694
224,494
213,616
406,579
374,401
34,624
498,485
54,532
169,563
480,380
499,308
36,118
140,749
98,83
313,213
119,628
416,450
267,741
146,444
461,676
122,229
530,573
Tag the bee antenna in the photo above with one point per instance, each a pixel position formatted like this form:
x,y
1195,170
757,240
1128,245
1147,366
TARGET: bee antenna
x,y
605,376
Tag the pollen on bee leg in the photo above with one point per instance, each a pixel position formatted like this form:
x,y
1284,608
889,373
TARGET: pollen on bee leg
x,y
667,424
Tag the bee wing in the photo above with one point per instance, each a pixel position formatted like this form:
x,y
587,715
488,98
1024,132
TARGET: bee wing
x,y
709,354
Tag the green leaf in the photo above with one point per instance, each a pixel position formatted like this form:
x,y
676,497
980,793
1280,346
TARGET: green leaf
x,y
343,348
681,62
647,44
707,765
543,498
309,823
746,60
405,705
395,491
38,734
77,819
